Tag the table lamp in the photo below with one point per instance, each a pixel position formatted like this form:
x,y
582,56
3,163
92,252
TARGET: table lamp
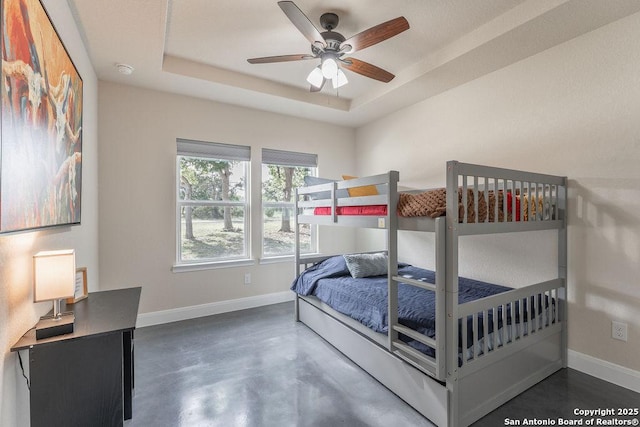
x,y
54,275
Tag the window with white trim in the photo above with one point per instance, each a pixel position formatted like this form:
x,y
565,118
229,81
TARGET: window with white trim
x,y
282,172
212,202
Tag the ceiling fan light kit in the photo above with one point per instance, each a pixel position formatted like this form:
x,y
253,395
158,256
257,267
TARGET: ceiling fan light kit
x,y
330,47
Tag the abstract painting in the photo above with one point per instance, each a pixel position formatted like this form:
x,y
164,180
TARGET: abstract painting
x,y
41,135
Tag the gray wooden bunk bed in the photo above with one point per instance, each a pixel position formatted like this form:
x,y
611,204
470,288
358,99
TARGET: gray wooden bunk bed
x,y
449,387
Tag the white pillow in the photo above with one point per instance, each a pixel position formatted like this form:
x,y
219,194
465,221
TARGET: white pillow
x,y
365,265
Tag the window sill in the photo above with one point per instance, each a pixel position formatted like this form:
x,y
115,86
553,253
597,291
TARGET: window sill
x,y
183,268
276,259
285,258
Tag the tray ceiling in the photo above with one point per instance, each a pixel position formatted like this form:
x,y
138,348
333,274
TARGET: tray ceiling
x,y
200,47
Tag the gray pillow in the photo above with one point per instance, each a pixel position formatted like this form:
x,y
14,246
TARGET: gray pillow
x,y
314,180
365,265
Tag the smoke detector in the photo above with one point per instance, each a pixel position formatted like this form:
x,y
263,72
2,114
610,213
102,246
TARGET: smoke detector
x,y
124,69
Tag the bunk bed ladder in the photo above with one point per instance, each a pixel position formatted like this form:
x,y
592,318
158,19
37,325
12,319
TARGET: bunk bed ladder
x,y
433,366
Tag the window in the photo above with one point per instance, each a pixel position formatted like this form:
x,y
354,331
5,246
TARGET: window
x,y
282,172
212,202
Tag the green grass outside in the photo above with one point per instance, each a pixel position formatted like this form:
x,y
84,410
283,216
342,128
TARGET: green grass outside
x,y
210,241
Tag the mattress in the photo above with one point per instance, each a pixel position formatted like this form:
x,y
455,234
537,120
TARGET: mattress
x,y
433,204
374,210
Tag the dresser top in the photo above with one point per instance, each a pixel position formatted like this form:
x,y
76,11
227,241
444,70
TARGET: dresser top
x,y
100,313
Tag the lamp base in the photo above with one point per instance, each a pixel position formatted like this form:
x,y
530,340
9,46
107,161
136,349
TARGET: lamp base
x,y
49,326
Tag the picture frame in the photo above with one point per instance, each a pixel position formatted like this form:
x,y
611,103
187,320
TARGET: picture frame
x,y
41,123
80,292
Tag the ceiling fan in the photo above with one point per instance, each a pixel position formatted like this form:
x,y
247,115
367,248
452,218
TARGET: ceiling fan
x,y
331,47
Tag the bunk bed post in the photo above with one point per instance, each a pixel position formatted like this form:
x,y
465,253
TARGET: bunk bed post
x,y
441,297
392,256
296,252
451,296
562,267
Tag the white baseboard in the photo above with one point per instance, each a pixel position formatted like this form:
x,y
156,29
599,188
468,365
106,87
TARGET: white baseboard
x,y
607,371
194,311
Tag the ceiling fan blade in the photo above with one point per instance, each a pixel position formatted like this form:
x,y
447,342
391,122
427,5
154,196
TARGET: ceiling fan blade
x,y
366,69
312,88
376,34
302,23
280,58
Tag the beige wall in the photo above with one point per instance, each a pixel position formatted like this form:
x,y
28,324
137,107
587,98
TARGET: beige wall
x,y
17,311
138,131
572,110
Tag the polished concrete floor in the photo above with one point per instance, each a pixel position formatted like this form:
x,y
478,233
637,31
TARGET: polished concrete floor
x,y
258,367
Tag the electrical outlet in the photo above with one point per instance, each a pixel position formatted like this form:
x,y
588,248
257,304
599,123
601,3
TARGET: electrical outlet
x,y
247,278
619,331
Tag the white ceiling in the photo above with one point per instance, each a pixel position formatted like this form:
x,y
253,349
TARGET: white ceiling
x,y
200,47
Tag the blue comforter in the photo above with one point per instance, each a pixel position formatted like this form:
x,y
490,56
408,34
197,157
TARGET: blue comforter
x,y
365,300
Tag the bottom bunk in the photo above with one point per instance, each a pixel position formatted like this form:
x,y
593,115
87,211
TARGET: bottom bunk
x,y
462,398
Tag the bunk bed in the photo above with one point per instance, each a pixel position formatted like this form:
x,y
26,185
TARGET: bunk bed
x,y
481,352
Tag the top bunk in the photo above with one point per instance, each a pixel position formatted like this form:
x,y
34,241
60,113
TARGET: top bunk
x,y
497,200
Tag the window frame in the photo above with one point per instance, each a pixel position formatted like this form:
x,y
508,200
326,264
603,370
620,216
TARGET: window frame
x,y
214,152
284,158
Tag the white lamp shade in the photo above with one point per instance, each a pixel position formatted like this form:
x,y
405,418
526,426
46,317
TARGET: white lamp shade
x,y
339,80
54,275
315,77
329,68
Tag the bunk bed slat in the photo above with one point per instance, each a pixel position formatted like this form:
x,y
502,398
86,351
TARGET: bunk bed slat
x,y
486,197
520,326
513,200
538,210
504,201
474,344
413,282
415,335
465,216
534,313
485,331
465,337
553,202
475,199
414,353
503,333
496,207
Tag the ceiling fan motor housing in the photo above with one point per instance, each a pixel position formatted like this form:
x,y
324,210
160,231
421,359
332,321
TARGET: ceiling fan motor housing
x,y
333,40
